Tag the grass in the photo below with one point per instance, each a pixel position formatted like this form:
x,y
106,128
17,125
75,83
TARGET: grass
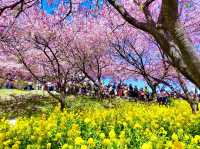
x,y
27,109
8,92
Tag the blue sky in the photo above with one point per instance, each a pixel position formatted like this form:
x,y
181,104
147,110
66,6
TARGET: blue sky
x,y
86,4
50,8
138,83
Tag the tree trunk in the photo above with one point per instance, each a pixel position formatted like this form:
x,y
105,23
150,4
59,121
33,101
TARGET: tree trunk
x,y
188,53
191,100
193,107
62,102
179,48
197,106
194,104
179,57
154,94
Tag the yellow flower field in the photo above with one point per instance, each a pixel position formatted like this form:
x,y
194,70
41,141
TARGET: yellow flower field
x,y
91,126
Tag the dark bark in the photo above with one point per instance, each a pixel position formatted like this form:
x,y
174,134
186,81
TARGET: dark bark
x,y
154,93
62,102
193,107
191,100
182,55
188,52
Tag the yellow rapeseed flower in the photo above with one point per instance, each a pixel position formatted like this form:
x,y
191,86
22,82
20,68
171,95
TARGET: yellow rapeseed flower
x,y
178,145
137,126
142,116
48,145
79,141
147,145
87,120
16,145
2,137
33,138
106,142
168,144
58,136
83,146
112,134
65,146
90,141
6,143
75,127
174,137
196,139
122,135
128,118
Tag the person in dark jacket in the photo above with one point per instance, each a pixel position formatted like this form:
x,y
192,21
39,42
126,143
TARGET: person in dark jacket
x,y
130,92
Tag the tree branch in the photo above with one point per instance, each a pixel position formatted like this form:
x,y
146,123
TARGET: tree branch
x,y
147,12
130,19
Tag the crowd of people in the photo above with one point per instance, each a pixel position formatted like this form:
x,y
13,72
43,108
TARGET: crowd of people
x,y
109,91
119,90
127,91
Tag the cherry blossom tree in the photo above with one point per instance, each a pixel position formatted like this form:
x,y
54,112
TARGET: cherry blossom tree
x,y
65,43
144,64
43,51
91,55
162,20
170,23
